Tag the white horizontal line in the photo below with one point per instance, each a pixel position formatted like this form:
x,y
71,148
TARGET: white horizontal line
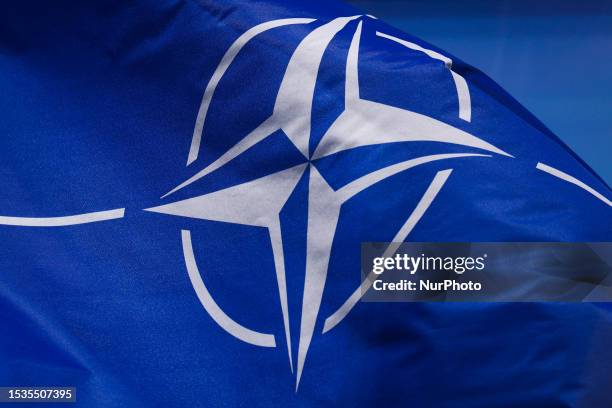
x,y
570,179
62,221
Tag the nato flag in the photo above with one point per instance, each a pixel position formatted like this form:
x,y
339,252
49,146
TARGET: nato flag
x,y
186,185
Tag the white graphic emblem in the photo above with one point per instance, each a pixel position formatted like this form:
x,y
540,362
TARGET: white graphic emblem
x,y
259,202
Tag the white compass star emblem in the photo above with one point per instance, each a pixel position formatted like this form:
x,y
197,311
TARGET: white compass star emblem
x,y
259,202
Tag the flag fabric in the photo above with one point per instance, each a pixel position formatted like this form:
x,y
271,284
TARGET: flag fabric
x,y
186,186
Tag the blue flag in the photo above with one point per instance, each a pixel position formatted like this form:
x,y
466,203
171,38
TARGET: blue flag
x,y
186,186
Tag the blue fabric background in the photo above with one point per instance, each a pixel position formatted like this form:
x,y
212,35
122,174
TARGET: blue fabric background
x,y
97,106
